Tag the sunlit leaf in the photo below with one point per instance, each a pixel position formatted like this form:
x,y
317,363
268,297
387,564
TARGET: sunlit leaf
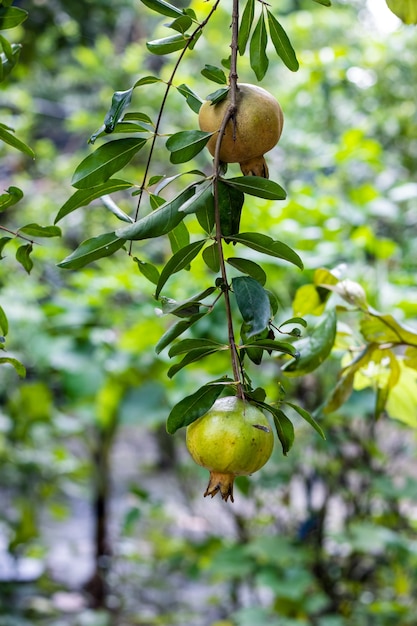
x,y
91,250
267,245
281,43
109,158
11,17
325,3
271,345
4,324
185,308
257,49
379,328
177,262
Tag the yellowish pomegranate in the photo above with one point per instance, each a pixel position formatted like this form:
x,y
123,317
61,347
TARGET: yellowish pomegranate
x,y
232,439
253,130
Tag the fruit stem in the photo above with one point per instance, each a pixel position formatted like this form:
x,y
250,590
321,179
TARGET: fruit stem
x,y
229,114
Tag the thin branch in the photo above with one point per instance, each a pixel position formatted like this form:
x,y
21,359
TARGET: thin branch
x,y
162,107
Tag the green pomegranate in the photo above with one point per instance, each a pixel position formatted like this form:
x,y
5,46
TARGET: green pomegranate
x,y
232,439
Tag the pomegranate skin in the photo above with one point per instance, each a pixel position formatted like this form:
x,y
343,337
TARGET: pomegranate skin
x,y
232,439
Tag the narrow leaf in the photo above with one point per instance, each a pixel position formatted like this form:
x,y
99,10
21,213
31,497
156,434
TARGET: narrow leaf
x,y
283,426
246,26
159,222
308,418
92,250
162,7
179,237
185,308
192,357
120,102
34,230
176,330
11,17
99,166
257,186
271,344
192,407
168,44
257,49
177,262
180,24
211,257
231,202
188,345
83,197
13,141
281,43
267,245
4,324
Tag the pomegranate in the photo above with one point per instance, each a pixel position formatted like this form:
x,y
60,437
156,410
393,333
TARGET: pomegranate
x,y
255,128
232,439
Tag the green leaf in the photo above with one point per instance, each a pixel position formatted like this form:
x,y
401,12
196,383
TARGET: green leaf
x,y
270,345
159,222
9,58
180,24
185,308
162,7
202,199
120,102
257,186
186,144
257,49
109,158
4,324
176,330
219,95
325,3
193,357
267,245
253,303
246,26
230,208
379,328
194,406
3,242
168,44
179,237
214,74
193,101
281,43
315,348
11,17
10,197
406,10
13,141
19,367
34,230
177,262
211,257
248,267
83,197
148,270
308,418
189,345
91,250
283,426
23,256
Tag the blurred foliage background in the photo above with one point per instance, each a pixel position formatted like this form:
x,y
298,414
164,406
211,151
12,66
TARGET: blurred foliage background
x,y
102,520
